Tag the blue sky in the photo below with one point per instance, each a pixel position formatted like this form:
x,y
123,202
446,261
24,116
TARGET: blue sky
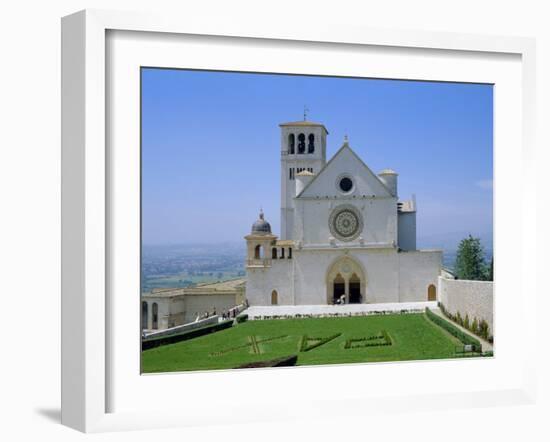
x,y
211,147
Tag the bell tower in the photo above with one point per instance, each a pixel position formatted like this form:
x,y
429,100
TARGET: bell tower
x,y
303,148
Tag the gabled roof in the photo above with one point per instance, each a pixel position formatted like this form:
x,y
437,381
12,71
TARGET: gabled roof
x,y
345,147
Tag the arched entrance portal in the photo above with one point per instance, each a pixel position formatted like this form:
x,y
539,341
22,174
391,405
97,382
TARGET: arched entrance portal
x,y
355,289
339,288
346,281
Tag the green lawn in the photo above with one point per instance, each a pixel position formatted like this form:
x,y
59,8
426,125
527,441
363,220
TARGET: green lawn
x,y
412,336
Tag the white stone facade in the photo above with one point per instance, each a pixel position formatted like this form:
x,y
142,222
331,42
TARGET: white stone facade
x,y
472,298
345,234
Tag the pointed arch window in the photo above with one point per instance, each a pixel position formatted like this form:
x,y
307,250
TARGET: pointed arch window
x,y
311,143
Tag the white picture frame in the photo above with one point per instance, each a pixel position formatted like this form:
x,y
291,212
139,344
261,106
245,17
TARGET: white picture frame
x,y
87,203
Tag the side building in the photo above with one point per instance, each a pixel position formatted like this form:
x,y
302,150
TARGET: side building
x,y
167,308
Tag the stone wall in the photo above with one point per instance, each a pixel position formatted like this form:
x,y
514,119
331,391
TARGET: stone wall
x,y
185,327
198,304
261,281
474,298
170,311
417,271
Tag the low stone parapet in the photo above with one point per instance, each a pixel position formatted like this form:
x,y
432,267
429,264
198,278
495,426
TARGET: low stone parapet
x,y
185,327
326,311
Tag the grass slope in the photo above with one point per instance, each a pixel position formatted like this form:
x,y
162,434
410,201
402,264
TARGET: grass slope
x,y
413,337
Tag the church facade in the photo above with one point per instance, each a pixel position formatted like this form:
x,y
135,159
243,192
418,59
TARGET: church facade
x,y
345,234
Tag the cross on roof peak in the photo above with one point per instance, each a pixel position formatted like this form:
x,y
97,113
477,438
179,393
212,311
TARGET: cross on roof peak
x,y
306,110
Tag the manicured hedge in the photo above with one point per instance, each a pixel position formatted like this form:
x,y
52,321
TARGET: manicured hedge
x,y
287,361
455,331
306,346
252,342
477,327
380,340
146,344
241,318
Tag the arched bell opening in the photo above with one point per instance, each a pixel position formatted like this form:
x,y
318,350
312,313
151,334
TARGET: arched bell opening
x,y
301,143
291,144
258,252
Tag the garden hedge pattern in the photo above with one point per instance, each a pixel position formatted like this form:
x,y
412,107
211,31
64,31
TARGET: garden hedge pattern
x,y
316,342
379,340
253,342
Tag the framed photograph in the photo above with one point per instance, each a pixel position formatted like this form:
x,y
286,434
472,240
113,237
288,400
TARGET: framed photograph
x,y
305,218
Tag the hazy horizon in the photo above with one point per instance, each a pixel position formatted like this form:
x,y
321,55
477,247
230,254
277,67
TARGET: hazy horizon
x,y
444,237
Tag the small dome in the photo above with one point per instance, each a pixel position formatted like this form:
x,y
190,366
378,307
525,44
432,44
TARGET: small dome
x,y
387,172
261,226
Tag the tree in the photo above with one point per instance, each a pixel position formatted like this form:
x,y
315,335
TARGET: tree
x,y
484,329
470,262
466,322
475,326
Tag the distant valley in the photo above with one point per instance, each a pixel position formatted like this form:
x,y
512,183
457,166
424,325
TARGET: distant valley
x,y
186,265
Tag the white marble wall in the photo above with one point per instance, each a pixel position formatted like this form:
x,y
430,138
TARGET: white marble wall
x,y
417,270
262,281
311,223
387,276
475,298
199,304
